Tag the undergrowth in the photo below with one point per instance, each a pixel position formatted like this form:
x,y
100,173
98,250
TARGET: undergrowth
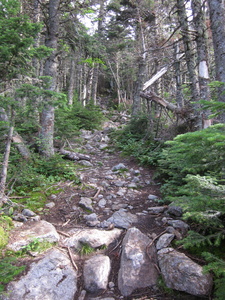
x,y
191,168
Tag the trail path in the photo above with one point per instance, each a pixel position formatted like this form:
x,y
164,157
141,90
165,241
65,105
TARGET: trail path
x,y
116,198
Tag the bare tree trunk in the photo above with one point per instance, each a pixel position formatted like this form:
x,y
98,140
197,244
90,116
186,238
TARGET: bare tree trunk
x,y
16,138
202,51
142,69
190,58
5,164
217,17
71,82
177,67
50,69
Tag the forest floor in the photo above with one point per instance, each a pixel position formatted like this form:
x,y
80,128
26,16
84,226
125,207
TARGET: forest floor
x,y
99,182
129,189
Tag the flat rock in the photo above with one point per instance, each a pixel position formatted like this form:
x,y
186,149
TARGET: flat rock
x,y
24,235
181,273
164,240
52,277
96,273
137,270
156,210
93,237
86,203
122,219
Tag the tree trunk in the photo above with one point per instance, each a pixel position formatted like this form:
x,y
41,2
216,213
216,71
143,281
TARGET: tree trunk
x,y
217,17
16,138
202,52
5,164
190,59
50,69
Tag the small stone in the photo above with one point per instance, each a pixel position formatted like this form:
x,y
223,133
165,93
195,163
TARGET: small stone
x,y
50,204
19,218
164,241
91,217
132,185
152,197
85,163
103,146
28,213
175,211
86,203
102,203
120,166
156,210
111,285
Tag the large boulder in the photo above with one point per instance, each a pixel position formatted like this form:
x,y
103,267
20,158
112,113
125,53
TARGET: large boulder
x,y
52,277
96,273
95,238
137,269
24,235
181,273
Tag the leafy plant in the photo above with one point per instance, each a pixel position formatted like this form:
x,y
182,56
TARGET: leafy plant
x,y
86,249
8,271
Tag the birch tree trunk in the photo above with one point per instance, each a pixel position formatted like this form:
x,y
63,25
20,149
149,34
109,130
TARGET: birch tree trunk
x,y
50,69
217,17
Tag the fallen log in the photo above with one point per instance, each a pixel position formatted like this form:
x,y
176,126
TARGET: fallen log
x,y
73,155
151,96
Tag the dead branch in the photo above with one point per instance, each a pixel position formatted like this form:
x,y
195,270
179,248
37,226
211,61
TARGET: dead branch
x,y
73,155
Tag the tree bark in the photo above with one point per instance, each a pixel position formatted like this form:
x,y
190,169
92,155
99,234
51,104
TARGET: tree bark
x,y
5,164
202,53
217,17
50,69
190,59
16,138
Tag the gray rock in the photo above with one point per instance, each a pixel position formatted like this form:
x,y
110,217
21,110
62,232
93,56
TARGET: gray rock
x,y
119,206
103,146
164,240
176,211
178,224
92,220
156,210
122,219
102,203
132,185
119,183
152,197
28,213
22,236
93,237
86,203
91,217
50,205
20,218
47,279
96,273
181,273
120,166
136,269
85,163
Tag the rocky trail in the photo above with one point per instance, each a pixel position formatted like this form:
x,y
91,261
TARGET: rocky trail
x,y
114,240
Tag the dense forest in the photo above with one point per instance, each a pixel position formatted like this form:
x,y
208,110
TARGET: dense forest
x,y
67,65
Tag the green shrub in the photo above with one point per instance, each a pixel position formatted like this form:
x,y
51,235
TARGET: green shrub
x,y
8,271
69,120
